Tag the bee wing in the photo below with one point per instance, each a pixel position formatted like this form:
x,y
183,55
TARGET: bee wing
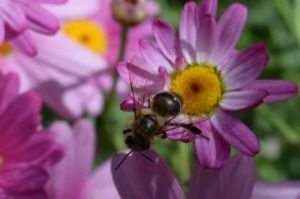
x,y
143,81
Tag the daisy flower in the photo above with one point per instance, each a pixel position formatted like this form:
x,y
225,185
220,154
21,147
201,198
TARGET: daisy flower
x,y
18,16
25,149
202,66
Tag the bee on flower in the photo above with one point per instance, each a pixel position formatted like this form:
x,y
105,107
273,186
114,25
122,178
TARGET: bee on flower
x,y
213,78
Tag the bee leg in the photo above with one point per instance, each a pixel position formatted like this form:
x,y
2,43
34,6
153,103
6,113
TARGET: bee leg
x,y
163,135
126,131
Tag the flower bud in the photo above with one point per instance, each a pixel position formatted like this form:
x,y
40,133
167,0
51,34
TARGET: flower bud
x,y
129,12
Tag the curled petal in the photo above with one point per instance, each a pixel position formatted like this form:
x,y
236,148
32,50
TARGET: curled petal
x,y
208,7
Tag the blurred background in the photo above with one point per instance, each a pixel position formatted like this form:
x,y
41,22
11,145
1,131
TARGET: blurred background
x,y
275,23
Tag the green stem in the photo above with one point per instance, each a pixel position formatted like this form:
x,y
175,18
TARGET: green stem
x,y
105,125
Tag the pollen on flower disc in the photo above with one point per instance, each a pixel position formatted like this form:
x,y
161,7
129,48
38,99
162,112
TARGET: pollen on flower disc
x,y
200,87
87,33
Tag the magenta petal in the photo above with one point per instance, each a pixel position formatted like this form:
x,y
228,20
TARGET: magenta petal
x,y
236,133
138,177
212,152
23,179
208,7
234,181
9,86
278,89
244,99
229,28
246,67
280,190
167,39
127,105
41,194
24,44
23,113
40,20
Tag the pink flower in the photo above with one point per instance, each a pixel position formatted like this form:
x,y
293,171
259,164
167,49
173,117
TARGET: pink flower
x,y
74,171
24,149
202,65
71,75
18,16
139,178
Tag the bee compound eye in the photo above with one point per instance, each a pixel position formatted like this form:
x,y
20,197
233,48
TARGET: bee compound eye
x,y
166,104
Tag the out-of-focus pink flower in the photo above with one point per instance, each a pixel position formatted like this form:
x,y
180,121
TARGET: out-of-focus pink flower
x,y
72,177
137,178
18,16
24,149
62,69
202,65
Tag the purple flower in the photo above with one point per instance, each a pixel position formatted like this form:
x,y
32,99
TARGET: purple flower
x,y
18,16
214,79
72,177
139,178
24,148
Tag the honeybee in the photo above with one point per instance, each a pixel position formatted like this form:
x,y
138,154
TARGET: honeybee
x,y
151,122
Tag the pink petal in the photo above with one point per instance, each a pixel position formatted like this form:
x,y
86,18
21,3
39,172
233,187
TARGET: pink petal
x,y
188,31
51,1
278,89
153,56
212,152
14,17
2,32
76,9
229,28
23,179
101,184
24,44
206,37
167,39
288,190
41,20
9,87
234,181
243,99
246,67
85,142
161,183
236,133
208,7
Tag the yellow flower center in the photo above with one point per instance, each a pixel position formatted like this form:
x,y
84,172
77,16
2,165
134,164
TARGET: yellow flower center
x,y
201,88
5,49
88,34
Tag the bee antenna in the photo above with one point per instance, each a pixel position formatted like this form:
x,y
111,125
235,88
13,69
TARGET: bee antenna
x,y
148,158
123,160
